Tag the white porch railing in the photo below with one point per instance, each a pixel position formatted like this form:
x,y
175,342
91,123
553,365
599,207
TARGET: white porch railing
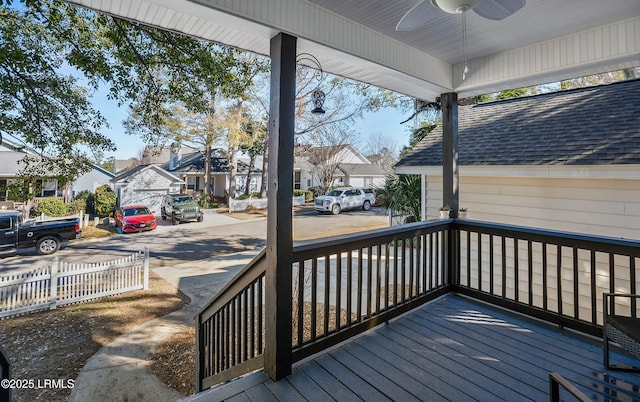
x,y
64,283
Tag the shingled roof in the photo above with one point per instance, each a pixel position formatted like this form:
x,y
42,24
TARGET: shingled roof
x,y
588,126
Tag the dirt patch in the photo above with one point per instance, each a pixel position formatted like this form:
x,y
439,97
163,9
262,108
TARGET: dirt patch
x,y
56,344
174,362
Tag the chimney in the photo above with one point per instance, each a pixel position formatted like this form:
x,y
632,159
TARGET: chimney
x,y
175,156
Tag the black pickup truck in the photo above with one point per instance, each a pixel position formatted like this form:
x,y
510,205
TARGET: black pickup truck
x,y
45,236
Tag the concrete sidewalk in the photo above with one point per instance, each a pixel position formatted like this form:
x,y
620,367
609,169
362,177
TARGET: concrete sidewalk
x,y
121,370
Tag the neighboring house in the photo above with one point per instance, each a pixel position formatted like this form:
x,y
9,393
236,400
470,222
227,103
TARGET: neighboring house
x,y
565,161
190,168
352,167
91,180
11,155
145,184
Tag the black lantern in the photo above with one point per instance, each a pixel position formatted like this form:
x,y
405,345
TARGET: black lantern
x,y
317,96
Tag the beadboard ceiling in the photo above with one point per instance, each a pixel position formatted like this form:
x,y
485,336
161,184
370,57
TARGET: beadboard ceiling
x,y
545,41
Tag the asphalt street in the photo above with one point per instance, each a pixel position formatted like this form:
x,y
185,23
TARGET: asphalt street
x,y
218,234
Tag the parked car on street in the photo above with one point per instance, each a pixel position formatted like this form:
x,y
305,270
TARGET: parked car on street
x,y
180,208
344,198
46,236
135,218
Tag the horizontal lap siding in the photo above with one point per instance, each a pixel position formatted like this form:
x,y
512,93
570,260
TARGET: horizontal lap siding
x,y
606,207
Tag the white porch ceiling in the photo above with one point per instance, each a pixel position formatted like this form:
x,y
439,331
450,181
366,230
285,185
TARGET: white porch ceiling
x,y
545,41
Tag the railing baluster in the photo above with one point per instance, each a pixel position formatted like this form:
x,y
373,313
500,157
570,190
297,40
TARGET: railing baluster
x,y
314,297
594,299
378,276
252,319
559,279
349,285
359,298
503,244
545,293
301,275
612,279
516,269
245,325
469,259
227,339
403,273
234,334
369,280
576,290
411,262
479,261
338,289
387,266
633,288
261,314
433,270
327,289
425,267
395,273
491,263
530,271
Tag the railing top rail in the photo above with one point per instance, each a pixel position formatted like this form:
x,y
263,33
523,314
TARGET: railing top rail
x,y
595,242
367,238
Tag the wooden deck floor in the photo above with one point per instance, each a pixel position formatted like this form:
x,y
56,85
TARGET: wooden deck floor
x,y
451,349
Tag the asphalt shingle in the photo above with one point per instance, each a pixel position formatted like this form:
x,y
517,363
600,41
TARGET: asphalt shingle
x,y
587,126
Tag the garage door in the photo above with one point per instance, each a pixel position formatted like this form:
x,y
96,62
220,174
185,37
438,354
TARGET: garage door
x,y
151,198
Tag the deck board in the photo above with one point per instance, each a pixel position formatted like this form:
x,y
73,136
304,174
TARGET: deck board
x,y
451,349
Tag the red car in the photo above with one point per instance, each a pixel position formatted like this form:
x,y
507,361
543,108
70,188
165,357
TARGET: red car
x,y
135,218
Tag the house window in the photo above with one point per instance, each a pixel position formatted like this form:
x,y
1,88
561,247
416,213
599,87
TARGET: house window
x,y
296,180
46,188
193,183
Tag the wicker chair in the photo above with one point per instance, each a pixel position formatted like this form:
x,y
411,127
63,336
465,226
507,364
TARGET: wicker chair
x,y
623,330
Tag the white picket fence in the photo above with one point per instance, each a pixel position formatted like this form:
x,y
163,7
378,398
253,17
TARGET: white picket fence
x,y
64,283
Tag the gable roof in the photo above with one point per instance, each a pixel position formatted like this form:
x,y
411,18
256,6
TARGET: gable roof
x,y
194,163
138,169
361,169
588,126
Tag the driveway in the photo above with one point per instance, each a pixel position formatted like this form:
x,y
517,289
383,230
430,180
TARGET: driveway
x,y
218,234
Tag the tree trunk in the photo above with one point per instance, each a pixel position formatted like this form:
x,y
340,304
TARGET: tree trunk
x,y
207,172
252,163
233,169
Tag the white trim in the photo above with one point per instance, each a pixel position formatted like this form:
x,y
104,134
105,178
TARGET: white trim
x,y
549,171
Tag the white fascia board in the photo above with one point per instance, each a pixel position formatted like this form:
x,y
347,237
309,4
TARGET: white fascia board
x,y
609,47
535,171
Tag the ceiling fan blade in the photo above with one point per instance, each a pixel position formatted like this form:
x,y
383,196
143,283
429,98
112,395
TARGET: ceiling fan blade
x,y
498,9
417,16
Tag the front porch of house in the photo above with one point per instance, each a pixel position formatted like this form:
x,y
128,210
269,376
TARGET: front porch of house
x,y
444,347
453,348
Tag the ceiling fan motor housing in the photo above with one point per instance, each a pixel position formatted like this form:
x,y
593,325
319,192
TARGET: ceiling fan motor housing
x,y
455,6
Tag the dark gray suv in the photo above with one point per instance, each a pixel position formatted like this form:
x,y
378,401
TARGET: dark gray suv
x,y
180,208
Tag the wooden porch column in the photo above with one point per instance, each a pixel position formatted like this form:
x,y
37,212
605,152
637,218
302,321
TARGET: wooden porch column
x,y
450,151
279,252
450,179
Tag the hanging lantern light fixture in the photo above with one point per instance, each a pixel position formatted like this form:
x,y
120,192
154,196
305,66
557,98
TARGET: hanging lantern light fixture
x,y
317,96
